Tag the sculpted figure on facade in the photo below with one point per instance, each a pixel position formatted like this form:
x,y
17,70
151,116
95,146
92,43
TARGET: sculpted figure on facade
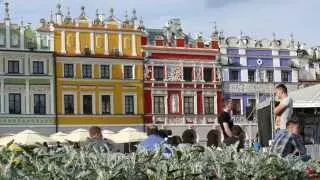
x,y
198,73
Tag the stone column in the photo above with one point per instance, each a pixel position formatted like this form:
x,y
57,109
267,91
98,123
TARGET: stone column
x,y
38,40
214,76
51,36
2,96
22,37
92,43
63,42
27,104
52,100
120,44
8,39
26,65
134,47
78,43
165,73
194,73
152,72
106,44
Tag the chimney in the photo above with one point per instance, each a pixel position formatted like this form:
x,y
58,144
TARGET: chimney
x,y
180,42
159,41
200,43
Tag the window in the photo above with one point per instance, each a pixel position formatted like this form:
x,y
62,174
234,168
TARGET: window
x,y
68,71
207,73
270,76
187,74
188,105
128,73
234,75
129,104
13,67
86,71
251,75
158,73
14,103
39,106
87,104
284,76
209,105
251,109
236,106
158,104
38,67
68,104
104,71
106,104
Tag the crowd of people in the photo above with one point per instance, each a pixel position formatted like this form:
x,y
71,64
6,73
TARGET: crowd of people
x,y
286,141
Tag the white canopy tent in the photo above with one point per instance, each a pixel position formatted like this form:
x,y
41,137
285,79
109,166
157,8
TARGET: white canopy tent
x,y
308,97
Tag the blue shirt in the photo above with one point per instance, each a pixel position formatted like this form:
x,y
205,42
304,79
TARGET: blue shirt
x,y
151,142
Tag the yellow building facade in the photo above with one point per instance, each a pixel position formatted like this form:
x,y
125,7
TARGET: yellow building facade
x,y
99,71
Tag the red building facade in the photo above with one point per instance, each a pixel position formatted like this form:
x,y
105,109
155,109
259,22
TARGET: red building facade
x,y
181,83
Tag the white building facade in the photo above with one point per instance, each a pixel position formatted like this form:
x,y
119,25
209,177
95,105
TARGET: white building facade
x,y
27,91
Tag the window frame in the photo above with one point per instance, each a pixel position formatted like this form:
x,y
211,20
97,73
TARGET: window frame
x,y
188,105
105,67
125,74
209,71
270,78
251,78
189,77
86,71
208,106
67,71
73,103
128,110
15,64
36,67
87,108
16,103
282,76
158,73
39,108
232,75
158,104
102,104
234,107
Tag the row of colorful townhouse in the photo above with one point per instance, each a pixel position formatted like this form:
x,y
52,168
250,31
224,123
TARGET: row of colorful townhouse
x,y
75,72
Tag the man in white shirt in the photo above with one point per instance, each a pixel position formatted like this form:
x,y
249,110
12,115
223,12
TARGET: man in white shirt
x,y
284,110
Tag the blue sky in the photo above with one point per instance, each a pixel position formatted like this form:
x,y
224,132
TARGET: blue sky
x,y
256,18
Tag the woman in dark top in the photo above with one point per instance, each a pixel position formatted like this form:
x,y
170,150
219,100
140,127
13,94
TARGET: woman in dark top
x,y
224,119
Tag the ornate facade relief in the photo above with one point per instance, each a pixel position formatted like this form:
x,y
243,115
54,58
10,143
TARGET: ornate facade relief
x,y
147,72
174,73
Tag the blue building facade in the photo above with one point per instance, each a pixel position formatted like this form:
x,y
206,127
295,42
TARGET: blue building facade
x,y
251,68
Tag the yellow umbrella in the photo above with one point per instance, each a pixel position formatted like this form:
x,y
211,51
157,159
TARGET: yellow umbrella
x,y
79,135
29,137
59,137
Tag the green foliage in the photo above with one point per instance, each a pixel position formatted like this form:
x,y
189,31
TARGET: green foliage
x,y
184,163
